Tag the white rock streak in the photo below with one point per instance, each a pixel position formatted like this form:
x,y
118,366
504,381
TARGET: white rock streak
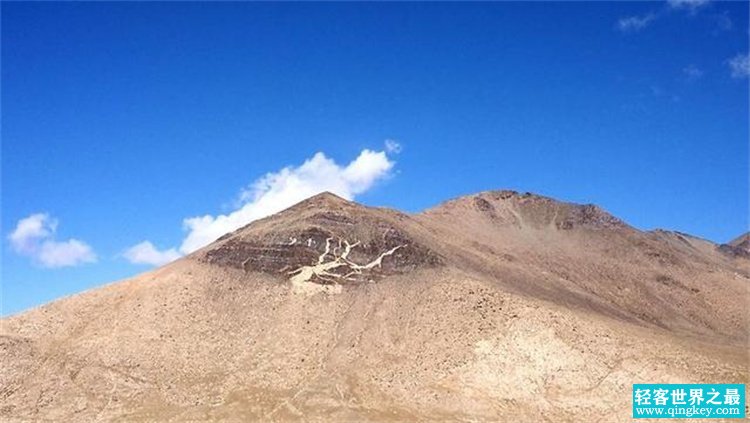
x,y
301,277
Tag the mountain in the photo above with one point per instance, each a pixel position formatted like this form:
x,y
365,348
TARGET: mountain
x,y
742,241
739,246
498,306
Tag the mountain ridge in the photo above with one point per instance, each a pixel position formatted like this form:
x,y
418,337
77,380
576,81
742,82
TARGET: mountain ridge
x,y
586,210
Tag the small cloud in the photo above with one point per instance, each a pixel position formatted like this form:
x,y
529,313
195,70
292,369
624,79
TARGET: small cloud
x,y
34,237
656,90
723,22
65,254
147,253
692,72
635,23
638,22
392,146
691,5
740,65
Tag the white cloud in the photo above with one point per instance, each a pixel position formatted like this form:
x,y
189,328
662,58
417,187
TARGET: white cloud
x,y
30,230
740,65
272,193
34,237
687,4
692,72
64,254
146,253
638,22
635,23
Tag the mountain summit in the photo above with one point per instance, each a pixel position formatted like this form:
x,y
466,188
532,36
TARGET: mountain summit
x,y
498,306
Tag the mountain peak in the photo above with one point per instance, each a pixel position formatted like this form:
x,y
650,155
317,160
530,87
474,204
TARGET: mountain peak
x,y
509,207
325,200
326,197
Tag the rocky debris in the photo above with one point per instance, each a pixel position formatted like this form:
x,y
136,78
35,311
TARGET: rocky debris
x,y
738,247
671,282
742,241
589,216
483,205
734,251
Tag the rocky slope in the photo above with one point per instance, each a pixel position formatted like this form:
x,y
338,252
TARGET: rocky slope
x,y
739,247
494,307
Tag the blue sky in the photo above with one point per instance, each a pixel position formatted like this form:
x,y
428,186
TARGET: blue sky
x,y
121,120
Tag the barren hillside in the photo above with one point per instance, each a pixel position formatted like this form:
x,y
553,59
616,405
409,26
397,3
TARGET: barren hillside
x,y
494,307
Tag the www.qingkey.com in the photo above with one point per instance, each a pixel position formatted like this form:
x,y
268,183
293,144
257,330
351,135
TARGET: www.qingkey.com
x,y
687,411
